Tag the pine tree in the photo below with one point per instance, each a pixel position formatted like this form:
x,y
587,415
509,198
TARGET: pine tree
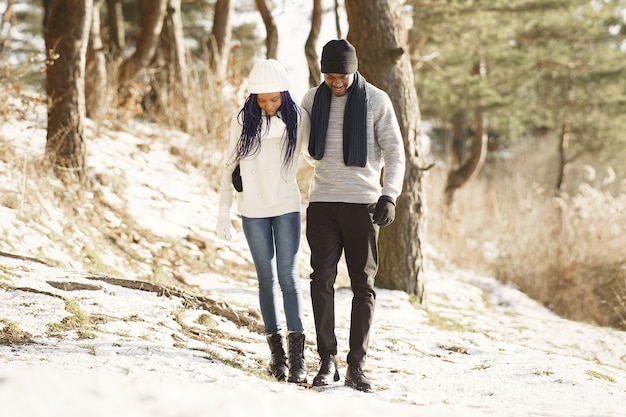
x,y
550,65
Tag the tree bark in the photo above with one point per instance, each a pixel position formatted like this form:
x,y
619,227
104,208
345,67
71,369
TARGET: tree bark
x,y
310,47
96,102
471,167
458,143
221,34
66,33
271,41
173,46
379,34
115,22
5,22
337,23
153,12
563,144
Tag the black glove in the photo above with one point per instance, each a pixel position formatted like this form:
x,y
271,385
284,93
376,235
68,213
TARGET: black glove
x,y
237,183
385,211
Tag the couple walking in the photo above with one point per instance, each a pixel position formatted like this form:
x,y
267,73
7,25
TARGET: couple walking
x,y
347,130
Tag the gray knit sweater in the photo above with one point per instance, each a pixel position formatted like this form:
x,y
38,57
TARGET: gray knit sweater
x,y
333,181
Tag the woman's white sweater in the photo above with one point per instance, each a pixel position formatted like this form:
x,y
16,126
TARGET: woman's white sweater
x,y
269,188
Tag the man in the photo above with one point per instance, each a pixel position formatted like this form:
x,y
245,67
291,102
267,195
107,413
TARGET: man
x,y
354,133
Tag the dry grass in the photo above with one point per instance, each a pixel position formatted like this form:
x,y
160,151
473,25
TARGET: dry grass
x,y
84,235
11,334
566,252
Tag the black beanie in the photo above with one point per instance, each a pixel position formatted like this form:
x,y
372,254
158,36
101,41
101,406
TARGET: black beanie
x,y
339,57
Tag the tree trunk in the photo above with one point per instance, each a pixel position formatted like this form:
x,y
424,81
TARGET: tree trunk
x,y
153,12
115,21
458,146
221,34
271,42
563,144
379,34
66,33
470,168
337,23
175,66
96,102
5,22
310,47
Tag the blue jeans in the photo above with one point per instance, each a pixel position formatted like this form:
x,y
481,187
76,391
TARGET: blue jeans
x,y
274,243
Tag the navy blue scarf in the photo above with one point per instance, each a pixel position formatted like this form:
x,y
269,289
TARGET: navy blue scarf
x,y
354,123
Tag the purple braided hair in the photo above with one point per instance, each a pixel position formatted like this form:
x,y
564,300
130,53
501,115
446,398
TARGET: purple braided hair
x,y
252,122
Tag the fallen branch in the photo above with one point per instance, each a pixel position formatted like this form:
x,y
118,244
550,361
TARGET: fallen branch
x,y
23,258
245,319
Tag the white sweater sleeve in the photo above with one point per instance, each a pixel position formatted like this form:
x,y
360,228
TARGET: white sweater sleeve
x,y
228,165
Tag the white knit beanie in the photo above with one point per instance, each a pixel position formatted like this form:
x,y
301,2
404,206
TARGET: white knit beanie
x,y
268,76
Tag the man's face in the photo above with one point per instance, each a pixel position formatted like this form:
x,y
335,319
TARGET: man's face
x,y
338,83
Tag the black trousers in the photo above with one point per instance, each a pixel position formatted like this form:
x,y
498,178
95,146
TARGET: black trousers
x,y
332,228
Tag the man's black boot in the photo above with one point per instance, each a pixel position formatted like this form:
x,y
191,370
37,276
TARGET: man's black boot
x,y
355,378
328,371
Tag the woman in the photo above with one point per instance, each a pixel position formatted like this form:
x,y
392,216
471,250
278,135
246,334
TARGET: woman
x,y
265,142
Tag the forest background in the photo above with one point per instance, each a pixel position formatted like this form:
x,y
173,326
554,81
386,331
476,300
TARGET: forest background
x,y
522,176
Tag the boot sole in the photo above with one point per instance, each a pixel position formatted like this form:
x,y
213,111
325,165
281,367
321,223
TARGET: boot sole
x,y
325,383
357,387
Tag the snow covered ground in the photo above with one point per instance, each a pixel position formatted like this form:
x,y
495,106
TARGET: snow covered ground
x,y
74,344
477,348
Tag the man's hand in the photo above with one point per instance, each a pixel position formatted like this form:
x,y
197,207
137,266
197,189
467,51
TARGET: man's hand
x,y
385,211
